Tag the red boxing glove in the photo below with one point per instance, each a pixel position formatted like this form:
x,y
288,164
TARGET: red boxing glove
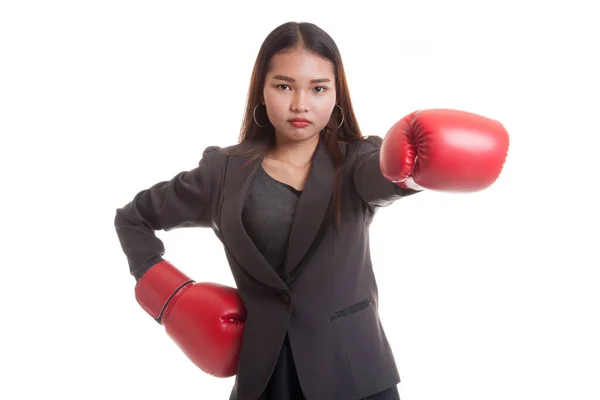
x,y
446,150
206,320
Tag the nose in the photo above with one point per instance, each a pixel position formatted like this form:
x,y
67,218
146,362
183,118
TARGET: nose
x,y
299,103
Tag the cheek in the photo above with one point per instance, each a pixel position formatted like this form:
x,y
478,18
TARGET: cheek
x,y
275,111
276,106
325,111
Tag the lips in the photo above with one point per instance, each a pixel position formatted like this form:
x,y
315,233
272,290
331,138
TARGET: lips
x,y
299,122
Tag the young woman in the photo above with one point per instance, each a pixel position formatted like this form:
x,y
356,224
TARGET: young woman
x,y
292,203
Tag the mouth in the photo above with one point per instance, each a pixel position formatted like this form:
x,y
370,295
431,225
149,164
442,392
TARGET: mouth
x,y
299,122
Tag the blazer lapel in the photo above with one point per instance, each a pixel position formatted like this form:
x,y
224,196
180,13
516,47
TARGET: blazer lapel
x,y
240,172
311,209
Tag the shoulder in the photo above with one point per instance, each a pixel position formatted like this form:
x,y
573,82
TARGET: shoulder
x,y
366,144
219,151
217,157
245,148
370,142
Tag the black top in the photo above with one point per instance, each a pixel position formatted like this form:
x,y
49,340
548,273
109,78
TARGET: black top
x,y
268,216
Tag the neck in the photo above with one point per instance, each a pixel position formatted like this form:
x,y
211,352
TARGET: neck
x,y
297,153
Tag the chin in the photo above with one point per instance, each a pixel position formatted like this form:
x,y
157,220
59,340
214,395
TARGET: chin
x,y
297,134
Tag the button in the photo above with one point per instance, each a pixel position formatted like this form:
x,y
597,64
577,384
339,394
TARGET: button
x,y
284,297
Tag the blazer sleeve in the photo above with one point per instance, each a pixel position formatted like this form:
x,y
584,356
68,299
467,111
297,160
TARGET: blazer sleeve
x,y
183,201
372,186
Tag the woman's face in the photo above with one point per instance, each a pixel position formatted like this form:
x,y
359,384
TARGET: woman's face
x,y
299,85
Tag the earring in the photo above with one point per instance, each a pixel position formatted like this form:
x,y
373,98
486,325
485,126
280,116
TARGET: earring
x,y
341,112
254,115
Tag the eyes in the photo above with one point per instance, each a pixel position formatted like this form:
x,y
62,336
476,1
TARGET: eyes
x,y
318,89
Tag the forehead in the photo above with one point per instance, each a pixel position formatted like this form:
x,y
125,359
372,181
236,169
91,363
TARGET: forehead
x,y
301,64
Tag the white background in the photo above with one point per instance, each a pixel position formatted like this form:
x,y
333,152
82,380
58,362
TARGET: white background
x,y
489,296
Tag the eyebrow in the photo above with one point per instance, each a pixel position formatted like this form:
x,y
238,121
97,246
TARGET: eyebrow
x,y
288,79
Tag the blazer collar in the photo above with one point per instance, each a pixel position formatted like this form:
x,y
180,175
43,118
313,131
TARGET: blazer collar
x,y
308,218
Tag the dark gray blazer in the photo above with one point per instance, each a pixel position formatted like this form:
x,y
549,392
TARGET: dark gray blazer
x,y
327,301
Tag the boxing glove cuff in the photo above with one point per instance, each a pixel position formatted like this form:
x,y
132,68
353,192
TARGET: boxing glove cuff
x,y
158,286
410,184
